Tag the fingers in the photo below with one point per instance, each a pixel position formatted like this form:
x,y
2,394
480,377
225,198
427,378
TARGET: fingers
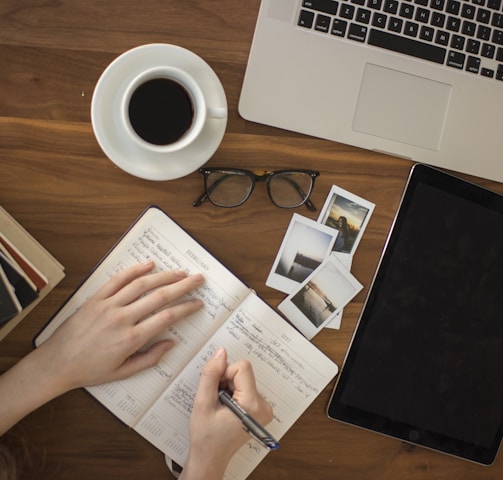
x,y
123,278
143,284
242,379
211,374
142,360
145,293
133,282
240,376
155,324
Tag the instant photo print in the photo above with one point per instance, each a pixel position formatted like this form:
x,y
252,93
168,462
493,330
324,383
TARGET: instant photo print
x,y
305,246
349,215
321,297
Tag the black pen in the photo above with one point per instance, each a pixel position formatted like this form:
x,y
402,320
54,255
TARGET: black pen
x,y
251,425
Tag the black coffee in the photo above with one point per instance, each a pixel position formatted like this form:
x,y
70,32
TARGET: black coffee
x,y
160,111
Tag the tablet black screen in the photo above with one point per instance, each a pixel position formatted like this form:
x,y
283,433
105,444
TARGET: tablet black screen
x,y
426,362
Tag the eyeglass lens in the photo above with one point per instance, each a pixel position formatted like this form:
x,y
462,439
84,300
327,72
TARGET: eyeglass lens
x,y
290,189
228,189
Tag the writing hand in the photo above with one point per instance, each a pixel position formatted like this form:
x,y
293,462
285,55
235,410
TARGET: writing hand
x,y
215,432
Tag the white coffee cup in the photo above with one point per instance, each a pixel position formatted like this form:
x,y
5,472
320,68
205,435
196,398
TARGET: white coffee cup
x,y
164,110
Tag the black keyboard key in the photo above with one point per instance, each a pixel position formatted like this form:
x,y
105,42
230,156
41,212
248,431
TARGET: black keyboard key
x,y
497,37
375,4
497,20
422,15
488,50
347,11
453,24
442,38
456,59
453,7
407,46
499,55
391,6
469,28
379,20
468,11
339,27
473,46
438,20
357,32
395,24
322,23
484,33
473,64
494,4
426,33
306,19
411,29
363,15
437,4
487,72
458,42
406,10
483,16
325,6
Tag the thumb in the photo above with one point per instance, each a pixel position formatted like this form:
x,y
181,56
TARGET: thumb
x,y
211,374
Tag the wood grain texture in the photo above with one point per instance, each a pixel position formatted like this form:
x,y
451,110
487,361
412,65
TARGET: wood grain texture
x,y
58,184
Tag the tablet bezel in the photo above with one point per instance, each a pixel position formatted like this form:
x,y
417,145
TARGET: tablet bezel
x,y
412,433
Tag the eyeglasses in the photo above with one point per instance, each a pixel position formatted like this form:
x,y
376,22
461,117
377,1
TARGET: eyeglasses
x,y
231,187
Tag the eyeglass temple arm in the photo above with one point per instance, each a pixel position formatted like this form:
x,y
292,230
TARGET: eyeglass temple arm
x,y
310,205
200,200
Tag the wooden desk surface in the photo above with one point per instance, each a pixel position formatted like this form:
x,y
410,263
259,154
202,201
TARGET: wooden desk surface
x,y
58,184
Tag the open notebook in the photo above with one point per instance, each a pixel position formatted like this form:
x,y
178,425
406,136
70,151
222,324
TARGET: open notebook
x,y
157,403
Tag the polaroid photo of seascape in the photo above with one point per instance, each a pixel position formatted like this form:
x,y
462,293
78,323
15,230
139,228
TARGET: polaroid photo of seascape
x,y
305,246
321,297
349,215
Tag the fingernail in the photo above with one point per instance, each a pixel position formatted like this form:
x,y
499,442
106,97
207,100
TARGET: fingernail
x,y
218,353
180,273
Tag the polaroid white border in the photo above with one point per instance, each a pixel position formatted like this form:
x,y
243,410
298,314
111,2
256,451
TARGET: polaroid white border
x,y
336,192
347,261
343,288
282,282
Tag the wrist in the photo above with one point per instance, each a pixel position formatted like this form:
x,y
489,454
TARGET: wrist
x,y
26,386
43,374
199,467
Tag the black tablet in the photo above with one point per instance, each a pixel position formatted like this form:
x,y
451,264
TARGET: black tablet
x,y
425,364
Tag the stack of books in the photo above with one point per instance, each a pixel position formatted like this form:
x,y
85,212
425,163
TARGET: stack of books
x,y
28,272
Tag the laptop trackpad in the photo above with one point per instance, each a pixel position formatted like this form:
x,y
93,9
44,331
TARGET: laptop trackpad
x,y
402,107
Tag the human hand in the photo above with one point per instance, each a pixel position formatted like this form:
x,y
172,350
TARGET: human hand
x,y
216,434
100,343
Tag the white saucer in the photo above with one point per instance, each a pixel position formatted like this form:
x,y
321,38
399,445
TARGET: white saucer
x,y
112,136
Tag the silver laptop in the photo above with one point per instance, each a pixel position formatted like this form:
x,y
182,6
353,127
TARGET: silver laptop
x,y
418,79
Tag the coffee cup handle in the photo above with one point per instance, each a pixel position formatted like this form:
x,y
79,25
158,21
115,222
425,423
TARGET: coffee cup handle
x,y
217,112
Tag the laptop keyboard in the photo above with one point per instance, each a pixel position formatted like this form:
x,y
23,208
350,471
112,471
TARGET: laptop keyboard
x,y
461,34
